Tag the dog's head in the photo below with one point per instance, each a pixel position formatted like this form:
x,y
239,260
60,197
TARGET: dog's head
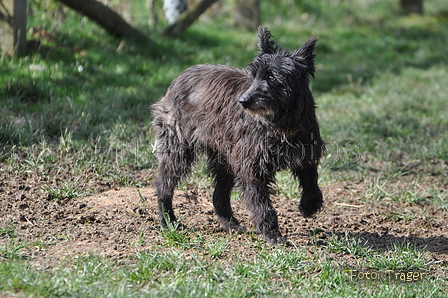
x,y
280,78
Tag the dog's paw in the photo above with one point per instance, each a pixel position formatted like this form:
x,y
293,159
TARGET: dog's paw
x,y
274,237
232,225
278,240
238,228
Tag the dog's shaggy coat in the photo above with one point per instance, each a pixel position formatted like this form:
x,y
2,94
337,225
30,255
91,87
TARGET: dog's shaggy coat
x,y
251,123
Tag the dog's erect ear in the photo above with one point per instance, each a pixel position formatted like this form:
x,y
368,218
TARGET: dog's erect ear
x,y
265,42
305,55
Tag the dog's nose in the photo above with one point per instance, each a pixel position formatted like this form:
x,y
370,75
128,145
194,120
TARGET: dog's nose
x,y
244,101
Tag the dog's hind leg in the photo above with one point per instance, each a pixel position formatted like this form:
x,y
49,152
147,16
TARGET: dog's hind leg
x,y
311,200
224,182
173,165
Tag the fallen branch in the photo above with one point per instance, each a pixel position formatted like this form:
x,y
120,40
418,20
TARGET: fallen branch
x,y
111,21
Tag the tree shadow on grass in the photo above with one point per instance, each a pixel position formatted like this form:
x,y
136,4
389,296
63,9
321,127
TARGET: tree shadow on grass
x,y
436,245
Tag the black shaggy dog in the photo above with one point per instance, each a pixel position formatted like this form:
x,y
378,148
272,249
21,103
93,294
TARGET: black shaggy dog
x,y
251,123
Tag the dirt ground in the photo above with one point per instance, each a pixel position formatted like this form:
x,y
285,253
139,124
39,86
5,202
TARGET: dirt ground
x,y
117,222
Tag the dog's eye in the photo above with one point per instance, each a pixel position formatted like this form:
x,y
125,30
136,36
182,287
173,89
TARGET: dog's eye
x,y
271,78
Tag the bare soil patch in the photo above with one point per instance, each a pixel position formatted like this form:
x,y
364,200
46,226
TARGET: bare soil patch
x,y
120,221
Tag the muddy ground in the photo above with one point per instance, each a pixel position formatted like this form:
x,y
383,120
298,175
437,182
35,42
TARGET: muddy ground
x,y
118,221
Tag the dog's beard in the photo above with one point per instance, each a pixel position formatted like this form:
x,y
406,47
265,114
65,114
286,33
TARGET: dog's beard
x,y
259,107
261,111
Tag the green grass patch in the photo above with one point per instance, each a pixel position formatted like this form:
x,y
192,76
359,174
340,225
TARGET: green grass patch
x,y
178,273
175,234
8,230
63,192
349,245
403,257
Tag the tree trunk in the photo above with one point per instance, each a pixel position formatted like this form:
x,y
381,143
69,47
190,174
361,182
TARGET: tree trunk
x,y
412,6
187,18
12,26
107,18
152,20
247,14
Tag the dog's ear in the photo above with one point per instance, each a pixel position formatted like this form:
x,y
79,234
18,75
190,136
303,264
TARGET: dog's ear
x,y
265,42
305,54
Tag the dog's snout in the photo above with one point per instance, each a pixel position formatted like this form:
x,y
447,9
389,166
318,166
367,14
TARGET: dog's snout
x,y
244,98
245,101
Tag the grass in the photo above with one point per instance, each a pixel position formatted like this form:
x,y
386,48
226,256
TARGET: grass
x,y
64,192
217,248
77,111
175,234
402,257
177,273
7,230
349,245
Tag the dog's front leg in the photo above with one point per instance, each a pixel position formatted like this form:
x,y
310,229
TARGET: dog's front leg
x,y
256,198
311,200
